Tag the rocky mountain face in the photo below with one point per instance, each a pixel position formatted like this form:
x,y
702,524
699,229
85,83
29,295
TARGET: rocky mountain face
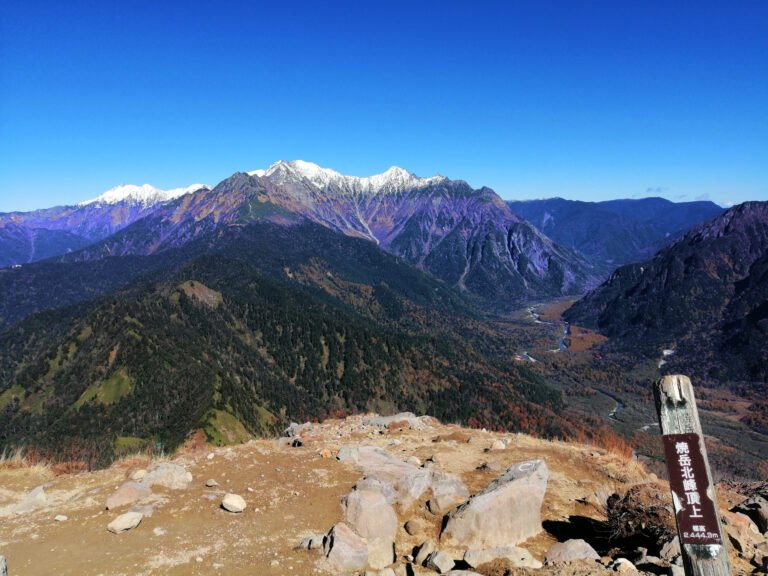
x,y
616,232
705,296
31,236
465,237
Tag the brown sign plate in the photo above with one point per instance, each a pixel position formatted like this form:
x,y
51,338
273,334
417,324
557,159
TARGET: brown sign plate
x,y
696,516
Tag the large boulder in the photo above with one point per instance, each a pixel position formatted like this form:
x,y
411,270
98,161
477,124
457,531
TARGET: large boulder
x,y
402,482
507,512
517,557
128,493
570,551
125,522
344,550
168,474
369,514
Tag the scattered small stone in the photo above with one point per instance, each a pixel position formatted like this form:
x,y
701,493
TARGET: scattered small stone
x,y
498,445
138,475
60,518
249,489
210,455
158,531
211,483
125,522
233,503
326,453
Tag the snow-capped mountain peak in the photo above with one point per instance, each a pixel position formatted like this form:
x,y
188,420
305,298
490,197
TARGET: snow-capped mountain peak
x,y
145,195
393,179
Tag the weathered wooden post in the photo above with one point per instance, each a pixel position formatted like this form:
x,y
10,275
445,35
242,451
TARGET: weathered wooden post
x,y
693,492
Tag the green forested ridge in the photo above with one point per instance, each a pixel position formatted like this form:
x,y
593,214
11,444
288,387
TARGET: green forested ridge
x,y
294,336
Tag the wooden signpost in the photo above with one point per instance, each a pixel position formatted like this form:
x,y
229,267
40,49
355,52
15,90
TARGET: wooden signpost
x,y
693,492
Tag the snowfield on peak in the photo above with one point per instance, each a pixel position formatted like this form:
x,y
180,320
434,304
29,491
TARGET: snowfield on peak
x,y
146,194
395,179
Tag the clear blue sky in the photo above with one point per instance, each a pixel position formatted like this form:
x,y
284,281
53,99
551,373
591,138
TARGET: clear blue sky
x,y
580,99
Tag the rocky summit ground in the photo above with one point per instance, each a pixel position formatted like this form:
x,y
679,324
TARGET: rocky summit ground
x,y
364,495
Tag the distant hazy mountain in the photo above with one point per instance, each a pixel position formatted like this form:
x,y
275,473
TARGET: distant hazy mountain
x,y
705,296
618,231
30,236
465,237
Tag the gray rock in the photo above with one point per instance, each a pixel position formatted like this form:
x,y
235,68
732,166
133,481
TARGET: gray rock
x,y
385,488
3,566
33,500
60,518
507,512
423,552
169,475
756,508
125,522
415,526
344,550
312,542
671,549
517,557
138,475
408,482
369,514
441,562
569,551
128,493
447,492
233,503
462,573
211,484
295,430
623,566
413,421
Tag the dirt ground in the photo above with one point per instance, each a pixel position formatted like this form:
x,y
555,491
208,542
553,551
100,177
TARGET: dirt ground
x,y
291,492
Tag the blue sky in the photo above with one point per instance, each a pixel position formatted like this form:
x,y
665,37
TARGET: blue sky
x,y
586,100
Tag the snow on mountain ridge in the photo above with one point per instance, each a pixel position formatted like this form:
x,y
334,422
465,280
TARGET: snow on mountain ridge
x,y
145,194
393,179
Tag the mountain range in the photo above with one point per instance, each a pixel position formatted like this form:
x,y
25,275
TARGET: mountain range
x,y
31,236
465,237
705,297
283,293
615,232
